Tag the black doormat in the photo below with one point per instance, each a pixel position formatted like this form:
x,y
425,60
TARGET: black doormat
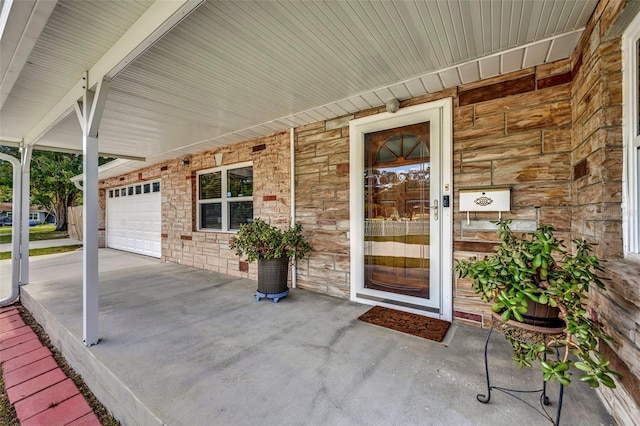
x,y
418,325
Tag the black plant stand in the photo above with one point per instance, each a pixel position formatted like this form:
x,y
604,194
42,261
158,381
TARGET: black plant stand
x,y
526,334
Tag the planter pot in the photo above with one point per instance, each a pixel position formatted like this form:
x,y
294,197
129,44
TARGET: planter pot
x,y
541,315
273,278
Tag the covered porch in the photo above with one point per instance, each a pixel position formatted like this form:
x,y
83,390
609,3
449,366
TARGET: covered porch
x,y
531,95
182,345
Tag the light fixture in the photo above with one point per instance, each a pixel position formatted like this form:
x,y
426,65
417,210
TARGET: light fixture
x,y
393,105
184,162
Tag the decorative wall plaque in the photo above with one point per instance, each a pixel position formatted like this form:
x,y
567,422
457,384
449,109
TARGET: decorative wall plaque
x,y
485,200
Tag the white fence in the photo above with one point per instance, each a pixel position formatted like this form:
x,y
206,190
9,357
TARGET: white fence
x,y
393,228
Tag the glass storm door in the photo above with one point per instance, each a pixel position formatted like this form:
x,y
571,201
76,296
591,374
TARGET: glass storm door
x,y
400,231
398,211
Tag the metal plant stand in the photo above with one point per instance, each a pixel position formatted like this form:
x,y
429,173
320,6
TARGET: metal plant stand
x,y
273,296
527,334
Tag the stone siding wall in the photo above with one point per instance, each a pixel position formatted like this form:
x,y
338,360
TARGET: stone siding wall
x,y
597,163
322,203
181,241
597,136
521,141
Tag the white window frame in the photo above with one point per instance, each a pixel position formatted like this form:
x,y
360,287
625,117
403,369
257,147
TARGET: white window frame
x,y
631,138
225,201
34,216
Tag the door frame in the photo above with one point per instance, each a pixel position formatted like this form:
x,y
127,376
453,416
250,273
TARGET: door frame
x,y
440,113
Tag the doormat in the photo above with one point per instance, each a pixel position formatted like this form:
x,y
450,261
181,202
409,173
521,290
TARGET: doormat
x,y
406,322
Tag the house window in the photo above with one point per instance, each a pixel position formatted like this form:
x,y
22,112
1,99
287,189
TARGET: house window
x,y
225,197
631,129
33,216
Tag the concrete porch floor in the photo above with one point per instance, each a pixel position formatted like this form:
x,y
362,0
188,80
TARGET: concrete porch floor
x,y
183,346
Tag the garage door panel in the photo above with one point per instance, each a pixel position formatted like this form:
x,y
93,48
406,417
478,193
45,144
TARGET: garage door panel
x,y
134,222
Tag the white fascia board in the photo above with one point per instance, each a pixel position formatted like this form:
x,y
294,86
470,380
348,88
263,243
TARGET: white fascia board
x,y
9,141
151,26
104,168
35,23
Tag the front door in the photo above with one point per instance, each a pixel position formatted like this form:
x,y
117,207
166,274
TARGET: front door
x,y
400,250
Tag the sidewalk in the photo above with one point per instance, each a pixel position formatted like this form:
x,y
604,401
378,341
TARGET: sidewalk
x,y
44,243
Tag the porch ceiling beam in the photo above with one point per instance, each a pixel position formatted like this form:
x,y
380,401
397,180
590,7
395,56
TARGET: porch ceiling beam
x,y
151,26
17,144
21,23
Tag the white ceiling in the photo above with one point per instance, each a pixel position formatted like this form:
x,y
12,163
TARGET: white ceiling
x,y
234,70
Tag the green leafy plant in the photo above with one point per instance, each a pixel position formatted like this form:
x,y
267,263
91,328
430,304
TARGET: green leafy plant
x,y
536,267
261,240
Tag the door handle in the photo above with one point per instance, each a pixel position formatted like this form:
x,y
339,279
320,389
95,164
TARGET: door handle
x,y
435,209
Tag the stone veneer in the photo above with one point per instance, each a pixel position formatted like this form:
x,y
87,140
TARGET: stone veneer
x,y
552,133
522,140
597,162
181,241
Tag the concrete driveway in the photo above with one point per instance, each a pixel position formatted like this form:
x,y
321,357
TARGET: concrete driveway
x,y
184,346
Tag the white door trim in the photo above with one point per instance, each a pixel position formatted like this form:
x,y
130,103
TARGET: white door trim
x,y
439,112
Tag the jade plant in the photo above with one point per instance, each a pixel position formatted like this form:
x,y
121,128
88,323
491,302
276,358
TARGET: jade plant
x,y
261,240
537,268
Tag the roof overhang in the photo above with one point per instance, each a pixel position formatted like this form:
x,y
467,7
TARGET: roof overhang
x,y
188,76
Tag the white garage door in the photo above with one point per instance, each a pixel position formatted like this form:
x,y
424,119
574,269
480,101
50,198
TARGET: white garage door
x,y
134,218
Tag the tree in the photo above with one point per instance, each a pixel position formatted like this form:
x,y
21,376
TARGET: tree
x,y
51,185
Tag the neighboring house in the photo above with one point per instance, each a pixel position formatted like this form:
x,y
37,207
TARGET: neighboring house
x,y
551,133
36,214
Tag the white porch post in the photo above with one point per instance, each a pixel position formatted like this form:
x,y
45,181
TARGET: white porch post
x,y
15,231
90,240
25,200
89,114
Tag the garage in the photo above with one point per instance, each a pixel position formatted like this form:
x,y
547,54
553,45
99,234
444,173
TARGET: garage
x,y
134,218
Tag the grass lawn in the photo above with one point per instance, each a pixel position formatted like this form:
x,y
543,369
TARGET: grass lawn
x,y
36,233
40,251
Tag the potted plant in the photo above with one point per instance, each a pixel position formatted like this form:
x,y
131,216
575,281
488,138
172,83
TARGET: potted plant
x,y
273,248
536,269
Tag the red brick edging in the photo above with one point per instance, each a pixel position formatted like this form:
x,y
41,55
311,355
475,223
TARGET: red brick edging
x,y
39,390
